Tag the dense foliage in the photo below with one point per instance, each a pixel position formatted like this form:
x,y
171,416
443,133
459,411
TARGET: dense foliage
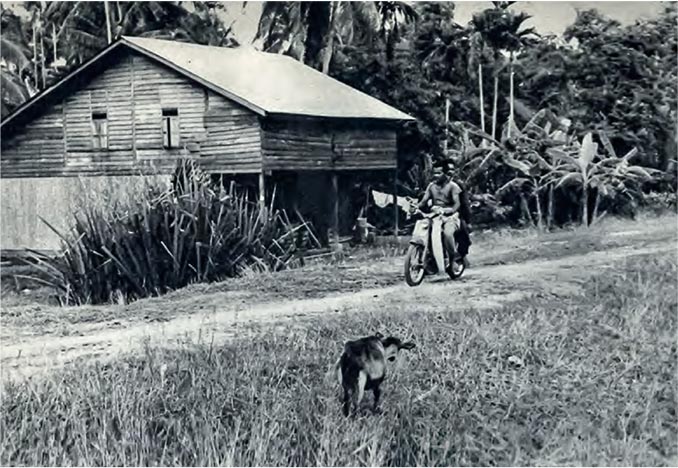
x,y
601,78
166,237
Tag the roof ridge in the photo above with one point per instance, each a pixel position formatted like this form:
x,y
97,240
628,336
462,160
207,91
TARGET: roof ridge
x,y
302,92
238,48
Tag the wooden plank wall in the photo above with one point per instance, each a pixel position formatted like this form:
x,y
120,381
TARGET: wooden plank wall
x,y
307,145
133,91
234,143
26,199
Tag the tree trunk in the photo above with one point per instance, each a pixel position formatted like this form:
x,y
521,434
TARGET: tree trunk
x,y
585,205
328,49
510,122
494,108
319,29
118,19
540,224
54,45
549,214
482,99
108,21
596,205
327,55
42,62
526,209
35,58
390,47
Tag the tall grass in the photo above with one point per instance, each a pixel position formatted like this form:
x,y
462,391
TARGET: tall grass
x,y
164,238
585,381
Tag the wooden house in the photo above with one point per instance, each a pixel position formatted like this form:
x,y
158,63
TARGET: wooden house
x,y
141,104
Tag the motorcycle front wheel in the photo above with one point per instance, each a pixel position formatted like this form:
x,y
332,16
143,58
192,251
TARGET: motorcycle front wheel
x,y
414,265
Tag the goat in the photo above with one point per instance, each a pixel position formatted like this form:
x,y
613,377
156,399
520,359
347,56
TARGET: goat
x,y
362,366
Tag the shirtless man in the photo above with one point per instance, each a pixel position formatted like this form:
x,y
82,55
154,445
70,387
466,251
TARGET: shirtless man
x,y
444,193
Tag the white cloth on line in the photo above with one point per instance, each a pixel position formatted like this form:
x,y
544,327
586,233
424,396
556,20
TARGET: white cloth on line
x,y
382,200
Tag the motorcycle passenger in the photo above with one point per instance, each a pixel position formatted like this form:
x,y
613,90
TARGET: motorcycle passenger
x,y
445,195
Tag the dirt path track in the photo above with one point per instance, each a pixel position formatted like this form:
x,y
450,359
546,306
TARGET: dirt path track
x,y
482,287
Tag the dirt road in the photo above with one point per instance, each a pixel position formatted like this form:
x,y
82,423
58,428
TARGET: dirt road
x,y
481,287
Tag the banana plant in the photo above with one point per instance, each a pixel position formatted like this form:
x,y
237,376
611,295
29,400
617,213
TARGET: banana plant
x,y
534,177
582,165
523,152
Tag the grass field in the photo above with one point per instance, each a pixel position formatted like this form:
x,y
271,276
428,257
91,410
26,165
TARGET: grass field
x,y
595,383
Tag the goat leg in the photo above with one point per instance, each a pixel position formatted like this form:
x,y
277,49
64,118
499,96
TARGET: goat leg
x,y
347,399
377,394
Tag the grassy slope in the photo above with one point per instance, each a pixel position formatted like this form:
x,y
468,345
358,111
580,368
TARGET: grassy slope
x,y
597,387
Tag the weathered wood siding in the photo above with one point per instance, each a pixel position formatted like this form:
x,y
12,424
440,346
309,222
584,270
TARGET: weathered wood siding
x,y
133,91
234,143
308,145
27,199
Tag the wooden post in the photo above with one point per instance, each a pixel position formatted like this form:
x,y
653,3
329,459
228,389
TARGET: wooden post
x,y
335,210
262,191
395,203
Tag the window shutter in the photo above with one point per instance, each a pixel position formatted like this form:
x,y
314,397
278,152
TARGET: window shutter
x,y
99,130
95,134
174,131
103,133
165,132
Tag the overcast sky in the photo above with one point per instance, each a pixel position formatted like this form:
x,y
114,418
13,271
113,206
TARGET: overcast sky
x,y
548,17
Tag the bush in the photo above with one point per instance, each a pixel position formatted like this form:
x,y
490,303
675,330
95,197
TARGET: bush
x,y
661,202
166,238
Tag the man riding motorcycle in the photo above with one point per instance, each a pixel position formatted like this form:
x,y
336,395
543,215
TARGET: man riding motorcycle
x,y
445,196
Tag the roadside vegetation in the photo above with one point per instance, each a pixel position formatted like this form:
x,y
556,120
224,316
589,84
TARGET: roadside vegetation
x,y
166,238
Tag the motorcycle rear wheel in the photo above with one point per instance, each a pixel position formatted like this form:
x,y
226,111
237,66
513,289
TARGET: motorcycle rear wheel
x,y
456,269
414,265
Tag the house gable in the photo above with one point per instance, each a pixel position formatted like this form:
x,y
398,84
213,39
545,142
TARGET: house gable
x,y
129,94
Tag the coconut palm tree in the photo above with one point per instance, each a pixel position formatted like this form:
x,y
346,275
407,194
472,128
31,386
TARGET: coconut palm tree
x,y
15,54
514,39
308,31
392,16
500,29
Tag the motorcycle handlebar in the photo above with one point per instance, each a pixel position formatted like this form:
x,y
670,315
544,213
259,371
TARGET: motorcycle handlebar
x,y
425,215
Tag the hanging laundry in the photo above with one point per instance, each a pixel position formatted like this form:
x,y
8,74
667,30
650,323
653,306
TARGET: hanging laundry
x,y
382,200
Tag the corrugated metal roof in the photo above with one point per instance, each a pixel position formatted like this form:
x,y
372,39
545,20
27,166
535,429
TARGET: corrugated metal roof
x,y
267,83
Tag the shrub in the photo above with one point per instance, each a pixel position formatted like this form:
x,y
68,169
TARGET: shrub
x,y
166,238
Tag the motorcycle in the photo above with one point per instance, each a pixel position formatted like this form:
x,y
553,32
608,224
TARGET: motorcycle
x,y
427,254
